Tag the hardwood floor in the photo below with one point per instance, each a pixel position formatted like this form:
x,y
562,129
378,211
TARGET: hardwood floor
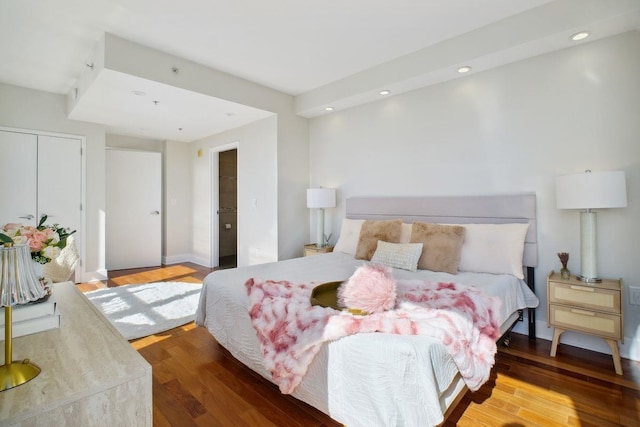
x,y
196,382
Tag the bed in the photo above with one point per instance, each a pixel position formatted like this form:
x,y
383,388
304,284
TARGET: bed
x,y
378,378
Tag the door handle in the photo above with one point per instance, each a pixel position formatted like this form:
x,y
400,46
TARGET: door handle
x,y
28,216
155,212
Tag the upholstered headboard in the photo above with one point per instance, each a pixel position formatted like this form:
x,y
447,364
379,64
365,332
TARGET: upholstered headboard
x,y
518,208
499,209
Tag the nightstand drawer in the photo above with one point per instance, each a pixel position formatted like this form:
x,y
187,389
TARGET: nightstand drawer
x,y
585,296
581,320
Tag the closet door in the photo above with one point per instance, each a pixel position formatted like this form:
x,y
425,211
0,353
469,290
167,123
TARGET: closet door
x,y
18,177
60,182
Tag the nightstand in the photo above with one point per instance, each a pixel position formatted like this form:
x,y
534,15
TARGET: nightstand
x,y
312,249
589,308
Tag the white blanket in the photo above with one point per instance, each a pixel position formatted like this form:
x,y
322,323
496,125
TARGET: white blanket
x,y
363,379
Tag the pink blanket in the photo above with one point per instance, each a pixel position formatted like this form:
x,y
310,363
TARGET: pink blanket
x,y
291,330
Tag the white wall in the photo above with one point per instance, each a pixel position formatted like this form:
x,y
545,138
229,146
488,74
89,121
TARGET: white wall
x,y
257,180
132,142
36,110
293,181
177,201
510,129
291,134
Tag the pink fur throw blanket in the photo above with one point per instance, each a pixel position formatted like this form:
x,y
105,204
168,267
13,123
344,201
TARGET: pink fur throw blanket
x,y
291,330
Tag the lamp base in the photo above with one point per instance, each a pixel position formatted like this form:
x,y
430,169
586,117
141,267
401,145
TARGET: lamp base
x,y
589,279
17,373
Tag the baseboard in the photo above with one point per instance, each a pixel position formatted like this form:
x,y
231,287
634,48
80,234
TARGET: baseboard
x,y
200,261
94,276
176,259
629,350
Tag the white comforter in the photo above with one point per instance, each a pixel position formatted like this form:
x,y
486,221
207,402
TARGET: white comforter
x,y
361,380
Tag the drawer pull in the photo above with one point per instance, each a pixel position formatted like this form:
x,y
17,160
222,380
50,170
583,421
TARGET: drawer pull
x,y
582,288
586,313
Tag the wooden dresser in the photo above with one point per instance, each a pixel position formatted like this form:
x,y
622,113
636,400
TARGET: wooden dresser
x,y
590,308
91,376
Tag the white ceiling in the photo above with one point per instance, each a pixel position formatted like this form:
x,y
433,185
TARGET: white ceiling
x,y
298,47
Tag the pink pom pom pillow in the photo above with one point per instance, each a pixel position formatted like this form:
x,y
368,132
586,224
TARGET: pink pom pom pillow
x,y
371,289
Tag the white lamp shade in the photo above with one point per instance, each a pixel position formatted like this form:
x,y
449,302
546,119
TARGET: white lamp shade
x,y
320,198
18,283
591,190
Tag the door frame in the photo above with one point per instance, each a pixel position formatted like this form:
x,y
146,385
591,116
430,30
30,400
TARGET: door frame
x,y
214,179
81,269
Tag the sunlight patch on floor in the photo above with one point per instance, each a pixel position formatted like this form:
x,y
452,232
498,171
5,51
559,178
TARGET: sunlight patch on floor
x,y
176,272
153,339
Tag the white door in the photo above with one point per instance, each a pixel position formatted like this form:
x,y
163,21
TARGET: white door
x,y
133,220
18,177
60,183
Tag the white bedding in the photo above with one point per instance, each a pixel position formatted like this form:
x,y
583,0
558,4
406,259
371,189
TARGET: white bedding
x,y
361,380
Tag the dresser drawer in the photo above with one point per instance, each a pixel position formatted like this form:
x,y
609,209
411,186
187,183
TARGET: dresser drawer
x,y
585,296
581,320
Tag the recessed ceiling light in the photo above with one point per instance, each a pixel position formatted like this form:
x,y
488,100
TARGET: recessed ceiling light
x,y
579,36
385,92
464,69
329,108
180,129
138,92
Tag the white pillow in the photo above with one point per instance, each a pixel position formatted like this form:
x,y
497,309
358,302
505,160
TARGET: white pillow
x,y
405,233
398,255
349,235
493,248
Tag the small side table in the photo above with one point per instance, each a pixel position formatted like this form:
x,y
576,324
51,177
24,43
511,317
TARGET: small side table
x,y
313,249
589,308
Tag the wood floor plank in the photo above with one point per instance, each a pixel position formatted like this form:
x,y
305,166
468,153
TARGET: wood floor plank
x,y
196,382
184,396
171,410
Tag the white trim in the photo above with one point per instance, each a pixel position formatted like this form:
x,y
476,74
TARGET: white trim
x,y
200,261
94,276
176,259
214,234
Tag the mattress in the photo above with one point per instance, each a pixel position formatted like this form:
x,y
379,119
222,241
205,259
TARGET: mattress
x,y
362,379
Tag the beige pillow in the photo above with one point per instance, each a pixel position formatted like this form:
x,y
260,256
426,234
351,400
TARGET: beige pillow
x,y
442,246
372,231
405,232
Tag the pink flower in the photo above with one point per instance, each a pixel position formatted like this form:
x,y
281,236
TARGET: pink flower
x,y
37,240
11,228
51,236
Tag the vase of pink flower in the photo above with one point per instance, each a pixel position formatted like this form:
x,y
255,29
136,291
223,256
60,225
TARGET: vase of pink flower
x,y
45,241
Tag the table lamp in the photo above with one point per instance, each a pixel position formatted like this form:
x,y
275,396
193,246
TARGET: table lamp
x,y
18,285
321,198
590,190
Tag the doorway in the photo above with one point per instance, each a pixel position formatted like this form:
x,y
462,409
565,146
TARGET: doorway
x,y
228,208
224,206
